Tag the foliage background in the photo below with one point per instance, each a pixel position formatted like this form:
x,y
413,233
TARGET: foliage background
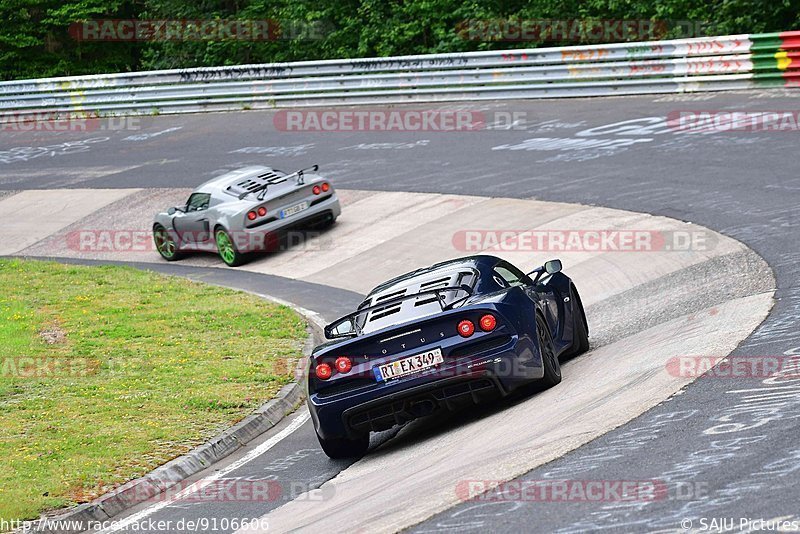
x,y
34,38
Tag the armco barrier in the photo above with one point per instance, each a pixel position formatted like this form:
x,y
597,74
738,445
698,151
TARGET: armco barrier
x,y
684,65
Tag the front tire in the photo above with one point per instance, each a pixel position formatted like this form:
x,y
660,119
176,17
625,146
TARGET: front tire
x,y
552,367
166,243
227,249
343,448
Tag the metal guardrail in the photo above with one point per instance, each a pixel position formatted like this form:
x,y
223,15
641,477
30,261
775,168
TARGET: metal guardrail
x,y
685,65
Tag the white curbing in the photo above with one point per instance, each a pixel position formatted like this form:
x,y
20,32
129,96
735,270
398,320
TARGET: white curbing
x,y
24,224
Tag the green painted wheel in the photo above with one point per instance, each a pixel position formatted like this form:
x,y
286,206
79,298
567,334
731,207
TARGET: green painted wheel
x,y
226,248
165,243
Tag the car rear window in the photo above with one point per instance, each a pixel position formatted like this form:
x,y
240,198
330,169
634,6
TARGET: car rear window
x,y
401,311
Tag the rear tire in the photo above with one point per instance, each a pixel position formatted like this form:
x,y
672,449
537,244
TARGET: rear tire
x,y
552,367
227,249
166,243
580,339
343,448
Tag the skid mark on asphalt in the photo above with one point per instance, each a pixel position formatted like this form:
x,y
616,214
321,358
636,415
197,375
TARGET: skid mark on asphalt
x,y
66,177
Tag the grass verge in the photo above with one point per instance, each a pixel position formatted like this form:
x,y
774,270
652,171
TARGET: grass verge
x,y
108,372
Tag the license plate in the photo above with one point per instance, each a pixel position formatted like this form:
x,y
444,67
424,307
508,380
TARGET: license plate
x,y
407,366
297,208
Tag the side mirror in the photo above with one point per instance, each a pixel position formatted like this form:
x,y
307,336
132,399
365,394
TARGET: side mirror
x,y
175,209
341,328
552,266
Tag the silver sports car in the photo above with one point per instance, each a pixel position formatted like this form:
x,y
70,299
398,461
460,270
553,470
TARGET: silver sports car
x,y
244,211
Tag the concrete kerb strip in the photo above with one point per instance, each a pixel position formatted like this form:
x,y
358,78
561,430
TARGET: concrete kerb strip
x,y
175,471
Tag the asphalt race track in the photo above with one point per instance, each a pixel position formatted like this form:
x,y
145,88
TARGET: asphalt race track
x,y
724,447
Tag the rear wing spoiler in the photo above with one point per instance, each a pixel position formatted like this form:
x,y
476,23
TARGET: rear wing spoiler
x,y
331,330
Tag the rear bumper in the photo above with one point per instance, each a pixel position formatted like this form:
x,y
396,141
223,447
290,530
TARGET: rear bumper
x,y
472,380
445,394
327,209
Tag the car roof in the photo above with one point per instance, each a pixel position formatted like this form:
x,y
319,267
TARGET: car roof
x,y
475,262
408,296
220,183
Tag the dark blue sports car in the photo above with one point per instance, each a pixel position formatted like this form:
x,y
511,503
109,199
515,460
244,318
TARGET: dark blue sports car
x,y
439,338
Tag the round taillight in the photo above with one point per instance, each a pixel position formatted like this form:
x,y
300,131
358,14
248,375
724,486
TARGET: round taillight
x,y
343,364
325,187
466,328
488,322
251,215
316,190
262,211
323,371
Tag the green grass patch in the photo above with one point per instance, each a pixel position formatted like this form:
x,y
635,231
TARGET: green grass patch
x,y
107,372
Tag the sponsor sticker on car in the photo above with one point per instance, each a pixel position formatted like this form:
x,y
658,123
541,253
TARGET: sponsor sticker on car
x,y
407,366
